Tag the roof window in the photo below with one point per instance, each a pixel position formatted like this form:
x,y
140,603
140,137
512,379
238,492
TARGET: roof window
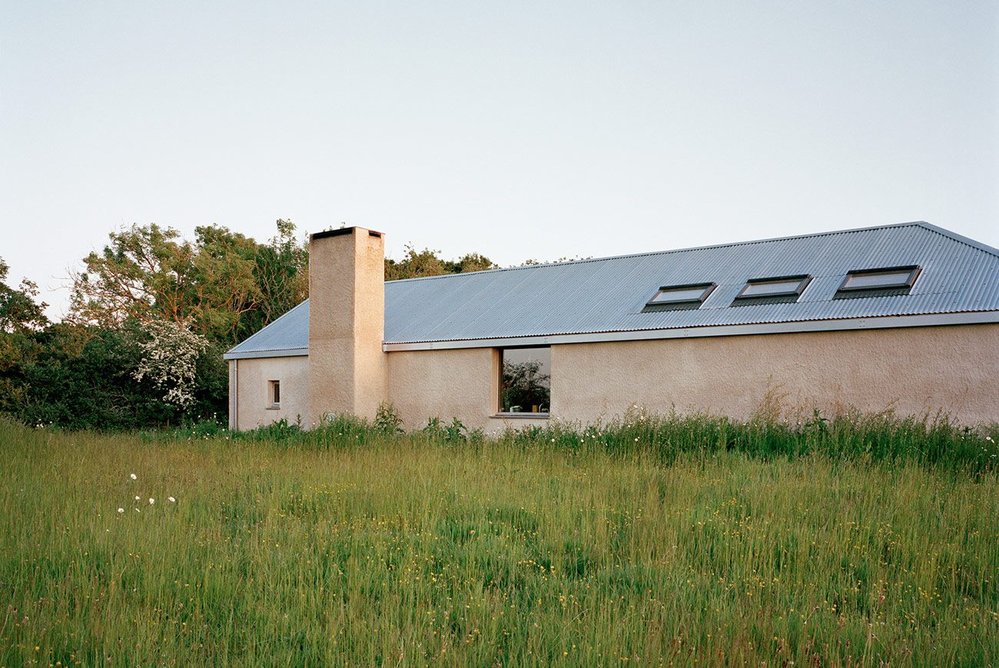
x,y
679,297
774,290
878,282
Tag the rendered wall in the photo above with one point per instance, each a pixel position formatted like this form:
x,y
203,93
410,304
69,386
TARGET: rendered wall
x,y
913,370
252,402
448,384
346,322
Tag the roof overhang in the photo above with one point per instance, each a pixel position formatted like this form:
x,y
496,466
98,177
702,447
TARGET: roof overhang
x,y
835,325
261,354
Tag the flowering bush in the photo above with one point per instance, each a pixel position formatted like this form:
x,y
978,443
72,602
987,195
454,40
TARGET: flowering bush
x,y
169,360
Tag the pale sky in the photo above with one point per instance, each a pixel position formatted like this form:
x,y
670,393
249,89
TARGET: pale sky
x,y
516,129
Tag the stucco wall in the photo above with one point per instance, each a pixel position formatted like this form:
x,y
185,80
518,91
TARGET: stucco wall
x,y
448,384
346,322
913,370
252,404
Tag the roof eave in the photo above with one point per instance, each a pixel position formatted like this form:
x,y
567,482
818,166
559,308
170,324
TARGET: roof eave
x,y
263,354
832,325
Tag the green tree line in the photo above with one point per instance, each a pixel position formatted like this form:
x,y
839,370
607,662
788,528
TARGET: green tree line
x,y
150,317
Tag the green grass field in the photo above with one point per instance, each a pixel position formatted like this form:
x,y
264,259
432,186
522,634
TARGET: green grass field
x,y
355,549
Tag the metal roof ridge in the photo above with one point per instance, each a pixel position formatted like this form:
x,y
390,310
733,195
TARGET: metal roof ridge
x,y
960,238
731,244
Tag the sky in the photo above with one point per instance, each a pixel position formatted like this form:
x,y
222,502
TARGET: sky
x,y
519,130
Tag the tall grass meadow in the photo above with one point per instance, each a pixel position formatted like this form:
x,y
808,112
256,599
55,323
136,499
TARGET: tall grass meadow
x,y
854,540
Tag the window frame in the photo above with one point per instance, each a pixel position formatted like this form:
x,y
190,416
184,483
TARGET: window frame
x,y
847,291
498,380
688,304
784,297
274,394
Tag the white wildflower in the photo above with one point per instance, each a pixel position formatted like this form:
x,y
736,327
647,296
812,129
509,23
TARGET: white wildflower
x,y
152,501
171,499
121,510
133,476
136,498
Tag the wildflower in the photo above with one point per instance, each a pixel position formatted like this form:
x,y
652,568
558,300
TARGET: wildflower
x,y
171,499
136,498
133,476
121,510
152,501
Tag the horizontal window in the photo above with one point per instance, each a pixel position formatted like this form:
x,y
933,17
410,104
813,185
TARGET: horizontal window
x,y
775,290
878,282
679,297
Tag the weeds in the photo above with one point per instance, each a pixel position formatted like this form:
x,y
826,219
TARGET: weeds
x,y
703,541
851,436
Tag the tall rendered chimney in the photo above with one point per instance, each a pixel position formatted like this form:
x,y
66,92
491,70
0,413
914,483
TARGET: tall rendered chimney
x,y
347,368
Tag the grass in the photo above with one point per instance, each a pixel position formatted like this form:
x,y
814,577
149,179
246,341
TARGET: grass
x,y
701,542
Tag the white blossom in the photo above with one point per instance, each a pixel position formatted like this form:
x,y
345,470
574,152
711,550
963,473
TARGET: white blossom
x,y
121,510
171,499
132,476
152,501
169,359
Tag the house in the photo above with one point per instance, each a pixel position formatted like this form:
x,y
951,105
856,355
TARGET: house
x,y
902,317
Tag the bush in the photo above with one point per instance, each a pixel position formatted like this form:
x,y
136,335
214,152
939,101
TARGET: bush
x,y
439,432
387,420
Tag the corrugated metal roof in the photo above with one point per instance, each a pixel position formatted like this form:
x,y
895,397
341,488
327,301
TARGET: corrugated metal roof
x,y
607,295
288,335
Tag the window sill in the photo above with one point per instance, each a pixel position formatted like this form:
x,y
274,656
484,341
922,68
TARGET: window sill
x,y
274,407
521,416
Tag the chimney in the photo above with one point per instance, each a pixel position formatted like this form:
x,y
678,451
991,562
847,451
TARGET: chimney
x,y
346,323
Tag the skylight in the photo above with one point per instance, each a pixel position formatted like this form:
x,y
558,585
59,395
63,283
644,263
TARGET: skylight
x,y
679,297
774,290
878,282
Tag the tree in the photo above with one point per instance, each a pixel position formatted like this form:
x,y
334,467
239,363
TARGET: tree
x,y
82,378
417,264
169,359
282,275
224,285
20,318
472,262
144,273
177,305
19,312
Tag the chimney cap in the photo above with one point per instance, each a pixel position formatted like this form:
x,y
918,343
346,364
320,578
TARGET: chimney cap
x,y
325,234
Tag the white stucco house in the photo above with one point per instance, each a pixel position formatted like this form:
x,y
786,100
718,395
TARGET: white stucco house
x,y
902,317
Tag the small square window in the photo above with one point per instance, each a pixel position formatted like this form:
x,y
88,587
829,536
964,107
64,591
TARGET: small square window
x,y
525,381
775,290
878,282
274,393
679,297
